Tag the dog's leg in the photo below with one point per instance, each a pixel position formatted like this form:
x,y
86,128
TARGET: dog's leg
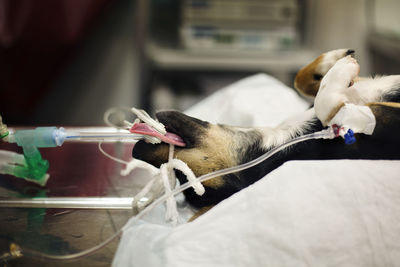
x,y
334,90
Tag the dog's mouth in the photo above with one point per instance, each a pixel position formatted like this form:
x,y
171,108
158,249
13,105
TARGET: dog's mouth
x,y
182,130
169,137
189,129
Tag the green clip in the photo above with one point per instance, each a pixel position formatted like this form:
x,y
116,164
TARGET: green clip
x,y
36,168
4,135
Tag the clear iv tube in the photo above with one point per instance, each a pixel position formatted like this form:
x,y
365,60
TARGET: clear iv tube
x,y
325,134
102,136
9,157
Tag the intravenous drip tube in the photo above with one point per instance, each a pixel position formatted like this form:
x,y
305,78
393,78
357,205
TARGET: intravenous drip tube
x,y
95,137
324,134
119,203
53,137
11,157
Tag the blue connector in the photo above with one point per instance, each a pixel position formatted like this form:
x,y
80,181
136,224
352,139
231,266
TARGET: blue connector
x,y
349,137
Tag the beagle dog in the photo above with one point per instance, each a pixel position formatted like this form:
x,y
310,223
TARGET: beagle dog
x,y
211,147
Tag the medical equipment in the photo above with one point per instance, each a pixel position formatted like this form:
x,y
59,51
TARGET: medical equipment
x,y
325,134
33,167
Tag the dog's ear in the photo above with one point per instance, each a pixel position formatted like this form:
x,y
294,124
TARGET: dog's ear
x,y
308,78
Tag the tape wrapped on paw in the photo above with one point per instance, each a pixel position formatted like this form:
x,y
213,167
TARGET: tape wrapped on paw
x,y
359,119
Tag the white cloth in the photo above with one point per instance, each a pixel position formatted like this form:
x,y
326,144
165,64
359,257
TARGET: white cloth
x,y
258,100
305,213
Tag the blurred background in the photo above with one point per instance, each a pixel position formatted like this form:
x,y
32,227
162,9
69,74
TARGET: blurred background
x,y
65,62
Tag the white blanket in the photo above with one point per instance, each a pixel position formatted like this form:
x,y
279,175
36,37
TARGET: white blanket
x,y
258,100
305,213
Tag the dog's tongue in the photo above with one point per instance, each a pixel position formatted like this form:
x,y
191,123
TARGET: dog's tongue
x,y
170,138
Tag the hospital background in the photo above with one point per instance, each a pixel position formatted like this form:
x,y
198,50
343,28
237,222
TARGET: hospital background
x,y
66,62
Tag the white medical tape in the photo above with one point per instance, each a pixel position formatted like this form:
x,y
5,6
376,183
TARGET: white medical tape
x,y
359,119
145,117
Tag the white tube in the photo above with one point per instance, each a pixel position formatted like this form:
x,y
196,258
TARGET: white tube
x,y
11,157
7,169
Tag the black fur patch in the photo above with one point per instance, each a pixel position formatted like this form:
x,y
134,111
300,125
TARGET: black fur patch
x,y
392,96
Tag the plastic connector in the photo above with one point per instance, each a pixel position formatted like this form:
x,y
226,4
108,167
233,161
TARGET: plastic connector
x,y
30,140
40,137
35,168
349,137
30,166
36,164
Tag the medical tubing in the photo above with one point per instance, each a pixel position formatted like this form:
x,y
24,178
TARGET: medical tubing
x,y
107,114
325,134
9,161
10,157
88,136
53,137
8,169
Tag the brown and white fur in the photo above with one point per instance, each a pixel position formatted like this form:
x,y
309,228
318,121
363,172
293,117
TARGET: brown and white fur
x,y
211,147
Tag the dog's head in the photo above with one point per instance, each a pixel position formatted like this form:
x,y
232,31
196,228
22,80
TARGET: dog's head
x,y
308,79
209,147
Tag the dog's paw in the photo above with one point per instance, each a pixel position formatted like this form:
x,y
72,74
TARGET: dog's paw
x,y
341,75
348,67
333,92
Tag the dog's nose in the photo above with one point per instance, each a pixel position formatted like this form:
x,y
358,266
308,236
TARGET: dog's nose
x,y
350,52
